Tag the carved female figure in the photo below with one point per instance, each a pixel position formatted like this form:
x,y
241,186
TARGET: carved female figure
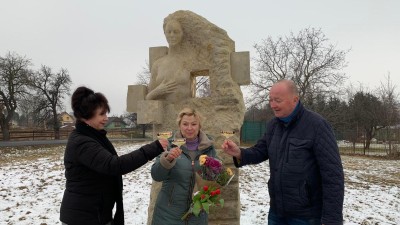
x,y
170,75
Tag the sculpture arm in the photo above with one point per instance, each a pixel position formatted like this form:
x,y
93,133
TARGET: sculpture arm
x,y
166,87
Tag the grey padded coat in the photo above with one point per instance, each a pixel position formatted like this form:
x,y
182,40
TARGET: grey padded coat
x,y
178,183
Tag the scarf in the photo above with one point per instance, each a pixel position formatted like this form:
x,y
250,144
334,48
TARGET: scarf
x,y
192,145
290,117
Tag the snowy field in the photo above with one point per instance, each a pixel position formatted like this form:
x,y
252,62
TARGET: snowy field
x,y
32,183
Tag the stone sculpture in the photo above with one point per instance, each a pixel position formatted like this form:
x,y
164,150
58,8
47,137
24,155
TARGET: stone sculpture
x,y
197,47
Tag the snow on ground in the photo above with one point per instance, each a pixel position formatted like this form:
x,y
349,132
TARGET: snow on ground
x,y
32,183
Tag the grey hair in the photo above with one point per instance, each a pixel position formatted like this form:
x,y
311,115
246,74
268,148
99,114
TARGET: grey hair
x,y
291,85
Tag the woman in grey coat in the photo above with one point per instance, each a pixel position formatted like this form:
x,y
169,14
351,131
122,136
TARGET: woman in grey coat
x,y
176,170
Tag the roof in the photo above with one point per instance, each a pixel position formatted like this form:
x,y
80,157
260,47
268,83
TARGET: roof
x,y
114,119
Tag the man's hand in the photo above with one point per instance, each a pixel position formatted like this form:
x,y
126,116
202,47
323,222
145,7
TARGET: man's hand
x,y
231,148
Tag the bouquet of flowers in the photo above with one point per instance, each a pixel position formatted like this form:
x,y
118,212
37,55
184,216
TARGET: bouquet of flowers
x,y
210,178
203,200
213,170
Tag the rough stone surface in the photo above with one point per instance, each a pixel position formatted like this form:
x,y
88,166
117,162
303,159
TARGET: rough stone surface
x,y
149,112
240,67
135,93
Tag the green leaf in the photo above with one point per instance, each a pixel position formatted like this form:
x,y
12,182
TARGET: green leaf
x,y
221,201
206,207
196,198
196,208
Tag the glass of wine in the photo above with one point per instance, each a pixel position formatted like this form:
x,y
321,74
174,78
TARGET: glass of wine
x,y
227,134
164,135
179,142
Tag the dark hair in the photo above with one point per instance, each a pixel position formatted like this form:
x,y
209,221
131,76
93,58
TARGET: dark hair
x,y
85,102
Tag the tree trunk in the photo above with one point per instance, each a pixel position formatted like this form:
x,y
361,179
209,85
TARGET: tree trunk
x,y
143,130
56,126
5,130
389,138
368,137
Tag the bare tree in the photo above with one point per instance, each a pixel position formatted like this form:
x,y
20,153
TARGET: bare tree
x,y
27,109
202,86
390,103
14,70
306,58
52,87
366,111
144,75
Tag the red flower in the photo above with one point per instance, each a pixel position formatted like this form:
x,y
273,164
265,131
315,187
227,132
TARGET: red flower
x,y
205,188
217,191
202,196
213,193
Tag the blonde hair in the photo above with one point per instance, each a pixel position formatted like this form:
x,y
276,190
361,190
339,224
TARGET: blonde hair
x,y
189,112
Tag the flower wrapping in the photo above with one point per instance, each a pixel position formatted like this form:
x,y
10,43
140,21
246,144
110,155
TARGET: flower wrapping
x,y
212,176
213,169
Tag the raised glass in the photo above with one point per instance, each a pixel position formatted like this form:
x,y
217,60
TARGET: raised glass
x,y
179,142
227,134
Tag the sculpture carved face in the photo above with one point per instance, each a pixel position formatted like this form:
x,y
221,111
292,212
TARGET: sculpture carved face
x,y
173,32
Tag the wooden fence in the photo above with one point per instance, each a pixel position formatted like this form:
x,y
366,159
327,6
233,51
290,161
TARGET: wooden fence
x,y
36,134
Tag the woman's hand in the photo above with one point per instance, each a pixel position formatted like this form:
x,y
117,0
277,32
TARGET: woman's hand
x,y
231,148
173,154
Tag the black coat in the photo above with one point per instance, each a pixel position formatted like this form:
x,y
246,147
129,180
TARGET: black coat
x,y
93,171
306,173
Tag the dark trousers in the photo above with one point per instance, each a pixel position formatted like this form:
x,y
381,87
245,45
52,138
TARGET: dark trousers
x,y
109,223
274,219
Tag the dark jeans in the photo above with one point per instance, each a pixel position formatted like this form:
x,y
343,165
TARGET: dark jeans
x,y
109,223
274,219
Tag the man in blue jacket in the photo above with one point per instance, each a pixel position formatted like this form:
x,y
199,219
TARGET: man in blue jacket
x,y
306,184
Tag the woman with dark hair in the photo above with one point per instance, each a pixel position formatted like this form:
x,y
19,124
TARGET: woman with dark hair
x,y
93,170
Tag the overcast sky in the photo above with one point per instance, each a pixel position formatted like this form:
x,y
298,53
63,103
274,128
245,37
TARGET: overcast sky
x,y
104,44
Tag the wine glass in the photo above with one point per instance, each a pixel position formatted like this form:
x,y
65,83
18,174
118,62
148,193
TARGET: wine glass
x,y
164,135
179,142
227,134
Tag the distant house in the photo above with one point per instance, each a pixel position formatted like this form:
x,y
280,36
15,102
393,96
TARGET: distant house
x,y
129,123
115,123
66,119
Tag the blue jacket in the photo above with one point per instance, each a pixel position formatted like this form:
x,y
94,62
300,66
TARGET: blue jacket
x,y
306,173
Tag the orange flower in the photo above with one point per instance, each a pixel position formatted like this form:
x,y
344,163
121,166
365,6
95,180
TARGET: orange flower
x,y
202,159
